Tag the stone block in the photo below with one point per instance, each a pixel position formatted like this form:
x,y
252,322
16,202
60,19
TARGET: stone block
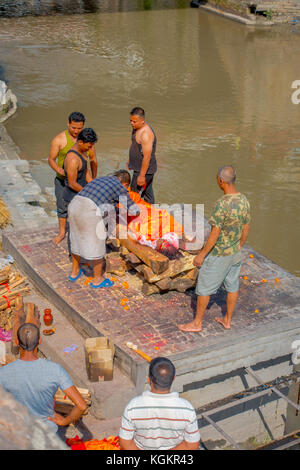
x,y
21,431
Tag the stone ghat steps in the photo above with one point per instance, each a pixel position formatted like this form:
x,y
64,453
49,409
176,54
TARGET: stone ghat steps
x,y
23,196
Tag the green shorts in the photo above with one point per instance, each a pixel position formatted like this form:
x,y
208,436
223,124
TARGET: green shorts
x,y
218,270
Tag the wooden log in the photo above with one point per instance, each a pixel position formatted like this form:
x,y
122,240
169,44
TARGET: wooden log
x,y
12,299
113,254
32,315
4,275
156,261
9,298
114,242
12,286
116,265
64,404
192,274
19,317
180,283
123,250
149,289
132,258
164,284
175,267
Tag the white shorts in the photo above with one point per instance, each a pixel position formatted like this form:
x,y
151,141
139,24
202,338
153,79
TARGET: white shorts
x,y
87,230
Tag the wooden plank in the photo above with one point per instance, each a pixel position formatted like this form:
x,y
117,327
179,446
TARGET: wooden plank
x,y
155,260
19,318
32,314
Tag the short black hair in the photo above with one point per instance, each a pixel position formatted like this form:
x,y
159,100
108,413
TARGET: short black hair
x,y
137,111
76,117
28,336
124,176
162,373
88,135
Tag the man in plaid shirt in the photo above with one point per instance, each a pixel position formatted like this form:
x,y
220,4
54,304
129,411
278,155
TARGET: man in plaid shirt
x,y
87,229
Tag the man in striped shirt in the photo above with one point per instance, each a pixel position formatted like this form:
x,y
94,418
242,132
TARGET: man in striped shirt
x,y
159,419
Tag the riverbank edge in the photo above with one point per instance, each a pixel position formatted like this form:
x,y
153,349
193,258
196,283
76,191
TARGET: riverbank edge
x,y
234,16
20,191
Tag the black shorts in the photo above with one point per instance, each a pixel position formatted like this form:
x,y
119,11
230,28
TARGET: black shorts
x,y
61,204
146,194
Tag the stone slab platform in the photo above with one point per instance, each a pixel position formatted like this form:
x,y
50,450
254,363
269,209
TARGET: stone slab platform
x,y
124,314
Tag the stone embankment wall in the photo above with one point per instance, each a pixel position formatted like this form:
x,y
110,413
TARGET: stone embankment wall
x,y
14,8
8,102
21,431
22,195
272,11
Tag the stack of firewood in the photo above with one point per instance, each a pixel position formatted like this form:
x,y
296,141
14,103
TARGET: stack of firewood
x,y
12,287
64,404
159,274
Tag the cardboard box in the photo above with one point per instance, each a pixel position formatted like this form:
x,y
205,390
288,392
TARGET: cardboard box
x,y
99,354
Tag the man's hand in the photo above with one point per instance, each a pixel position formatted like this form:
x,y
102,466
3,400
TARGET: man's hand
x,y
141,180
61,171
58,419
76,412
198,260
127,165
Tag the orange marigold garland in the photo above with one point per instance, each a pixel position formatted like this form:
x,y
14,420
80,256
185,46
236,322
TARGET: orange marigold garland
x,y
110,443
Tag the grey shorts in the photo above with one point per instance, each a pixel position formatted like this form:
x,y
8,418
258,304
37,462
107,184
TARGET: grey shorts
x,y
61,204
218,270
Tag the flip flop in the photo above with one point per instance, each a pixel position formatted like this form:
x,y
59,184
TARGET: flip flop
x,y
73,279
106,283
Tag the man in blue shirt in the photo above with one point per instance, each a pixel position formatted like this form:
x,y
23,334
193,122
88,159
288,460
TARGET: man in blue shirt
x,y
87,229
34,382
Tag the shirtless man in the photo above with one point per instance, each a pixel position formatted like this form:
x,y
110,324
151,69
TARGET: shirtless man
x,y
60,145
142,158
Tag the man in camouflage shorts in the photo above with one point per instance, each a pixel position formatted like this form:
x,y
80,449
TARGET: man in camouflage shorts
x,y
220,259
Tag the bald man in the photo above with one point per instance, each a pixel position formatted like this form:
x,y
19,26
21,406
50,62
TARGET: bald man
x,y
220,260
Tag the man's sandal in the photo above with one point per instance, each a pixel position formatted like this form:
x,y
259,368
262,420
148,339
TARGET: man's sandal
x,y
106,283
73,279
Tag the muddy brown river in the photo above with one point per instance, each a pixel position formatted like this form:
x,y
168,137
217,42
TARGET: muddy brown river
x,y
215,91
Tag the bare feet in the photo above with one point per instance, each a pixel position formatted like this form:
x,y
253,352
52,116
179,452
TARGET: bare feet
x,y
59,238
190,327
223,322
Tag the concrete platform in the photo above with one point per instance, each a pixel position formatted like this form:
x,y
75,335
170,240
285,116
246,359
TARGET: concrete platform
x,y
151,322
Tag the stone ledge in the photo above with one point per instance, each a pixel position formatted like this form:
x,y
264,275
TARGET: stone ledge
x,y
21,431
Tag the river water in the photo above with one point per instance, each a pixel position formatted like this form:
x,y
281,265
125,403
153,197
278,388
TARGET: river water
x,y
216,92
